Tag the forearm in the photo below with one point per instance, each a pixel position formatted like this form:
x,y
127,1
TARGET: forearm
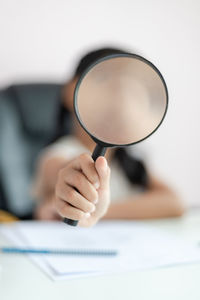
x,y
151,204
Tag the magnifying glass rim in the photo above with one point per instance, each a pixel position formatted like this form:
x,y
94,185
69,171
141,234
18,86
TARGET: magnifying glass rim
x,y
107,57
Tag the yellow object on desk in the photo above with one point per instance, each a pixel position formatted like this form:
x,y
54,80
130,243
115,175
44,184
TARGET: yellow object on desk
x,y
6,217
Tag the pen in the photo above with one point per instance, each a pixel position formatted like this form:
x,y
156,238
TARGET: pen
x,y
76,252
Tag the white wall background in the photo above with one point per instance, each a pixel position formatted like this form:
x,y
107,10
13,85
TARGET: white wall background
x,y
41,39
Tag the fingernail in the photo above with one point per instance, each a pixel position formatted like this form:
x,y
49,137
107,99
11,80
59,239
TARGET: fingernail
x,y
106,163
93,209
96,185
95,201
87,215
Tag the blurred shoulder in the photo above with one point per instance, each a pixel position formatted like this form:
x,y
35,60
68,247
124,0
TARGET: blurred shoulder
x,y
65,147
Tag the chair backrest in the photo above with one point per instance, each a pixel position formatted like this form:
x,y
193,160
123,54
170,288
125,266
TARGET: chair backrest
x,y
28,116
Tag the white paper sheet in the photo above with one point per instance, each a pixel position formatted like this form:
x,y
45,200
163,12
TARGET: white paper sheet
x,y
140,247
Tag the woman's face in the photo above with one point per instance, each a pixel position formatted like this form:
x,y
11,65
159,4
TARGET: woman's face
x,y
68,99
68,93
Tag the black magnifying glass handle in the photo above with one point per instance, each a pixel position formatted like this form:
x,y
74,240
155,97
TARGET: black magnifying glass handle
x,y
98,151
70,222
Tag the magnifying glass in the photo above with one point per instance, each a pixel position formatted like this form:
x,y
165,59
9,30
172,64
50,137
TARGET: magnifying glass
x,y
120,100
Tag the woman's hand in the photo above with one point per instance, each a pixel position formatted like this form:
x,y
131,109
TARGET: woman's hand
x,y
82,191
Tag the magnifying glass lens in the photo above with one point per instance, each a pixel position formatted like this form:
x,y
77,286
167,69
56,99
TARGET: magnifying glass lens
x,y
121,100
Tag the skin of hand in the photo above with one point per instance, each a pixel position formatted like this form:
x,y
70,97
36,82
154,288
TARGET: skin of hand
x,y
45,210
82,190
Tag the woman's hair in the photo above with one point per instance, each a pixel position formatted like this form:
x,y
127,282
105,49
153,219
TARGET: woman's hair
x,y
92,56
133,168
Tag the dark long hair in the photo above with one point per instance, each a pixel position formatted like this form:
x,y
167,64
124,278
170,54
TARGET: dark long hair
x,y
133,168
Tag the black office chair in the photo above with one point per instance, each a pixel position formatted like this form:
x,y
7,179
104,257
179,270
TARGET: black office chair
x,y
28,115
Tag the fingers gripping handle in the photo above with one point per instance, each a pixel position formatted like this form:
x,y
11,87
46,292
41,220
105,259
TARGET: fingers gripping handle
x,y
98,151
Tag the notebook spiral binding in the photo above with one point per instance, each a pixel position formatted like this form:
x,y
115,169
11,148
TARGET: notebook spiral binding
x,y
78,252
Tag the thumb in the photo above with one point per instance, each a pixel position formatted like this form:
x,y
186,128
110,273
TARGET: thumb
x,y
103,171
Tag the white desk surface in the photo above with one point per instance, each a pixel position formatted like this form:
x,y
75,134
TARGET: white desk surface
x,y
21,279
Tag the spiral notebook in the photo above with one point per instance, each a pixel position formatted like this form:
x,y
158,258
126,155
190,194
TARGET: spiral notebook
x,y
139,247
